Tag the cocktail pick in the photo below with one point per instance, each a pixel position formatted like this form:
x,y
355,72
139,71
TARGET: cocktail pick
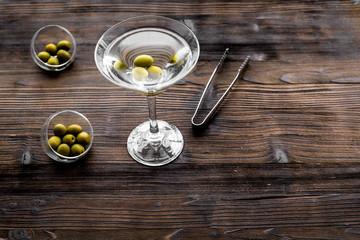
x,y
195,118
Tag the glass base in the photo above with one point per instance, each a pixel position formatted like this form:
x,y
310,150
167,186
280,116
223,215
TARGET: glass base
x,y
155,149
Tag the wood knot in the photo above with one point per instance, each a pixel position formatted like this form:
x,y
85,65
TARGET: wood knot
x,y
40,202
12,205
353,230
35,211
215,233
280,156
26,158
20,234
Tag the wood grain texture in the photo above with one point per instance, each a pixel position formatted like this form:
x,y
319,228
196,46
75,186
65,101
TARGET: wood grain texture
x,y
279,161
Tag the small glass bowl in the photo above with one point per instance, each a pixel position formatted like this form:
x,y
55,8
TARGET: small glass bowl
x,y
51,34
66,117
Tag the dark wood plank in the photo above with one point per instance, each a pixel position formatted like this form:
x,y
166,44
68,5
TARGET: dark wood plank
x,y
310,123
269,72
298,35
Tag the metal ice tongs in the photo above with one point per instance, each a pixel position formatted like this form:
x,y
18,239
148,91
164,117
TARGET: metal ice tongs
x,y
222,98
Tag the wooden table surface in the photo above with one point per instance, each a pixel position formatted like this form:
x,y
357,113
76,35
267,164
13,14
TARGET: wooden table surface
x,y
279,161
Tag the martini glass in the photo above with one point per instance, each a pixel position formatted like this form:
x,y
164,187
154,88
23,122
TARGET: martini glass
x,y
148,54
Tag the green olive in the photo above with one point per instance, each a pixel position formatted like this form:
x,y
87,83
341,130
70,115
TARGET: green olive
x,y
59,130
139,73
181,63
119,66
53,61
174,59
69,139
143,61
51,48
63,56
83,138
63,44
44,56
155,72
64,149
77,149
54,142
74,129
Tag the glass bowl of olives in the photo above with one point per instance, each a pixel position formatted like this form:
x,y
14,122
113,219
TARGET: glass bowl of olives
x,y
53,48
67,136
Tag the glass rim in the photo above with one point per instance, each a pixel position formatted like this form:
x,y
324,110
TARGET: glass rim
x,y
51,117
32,46
165,85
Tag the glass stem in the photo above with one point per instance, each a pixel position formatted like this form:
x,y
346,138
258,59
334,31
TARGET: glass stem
x,y
154,129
